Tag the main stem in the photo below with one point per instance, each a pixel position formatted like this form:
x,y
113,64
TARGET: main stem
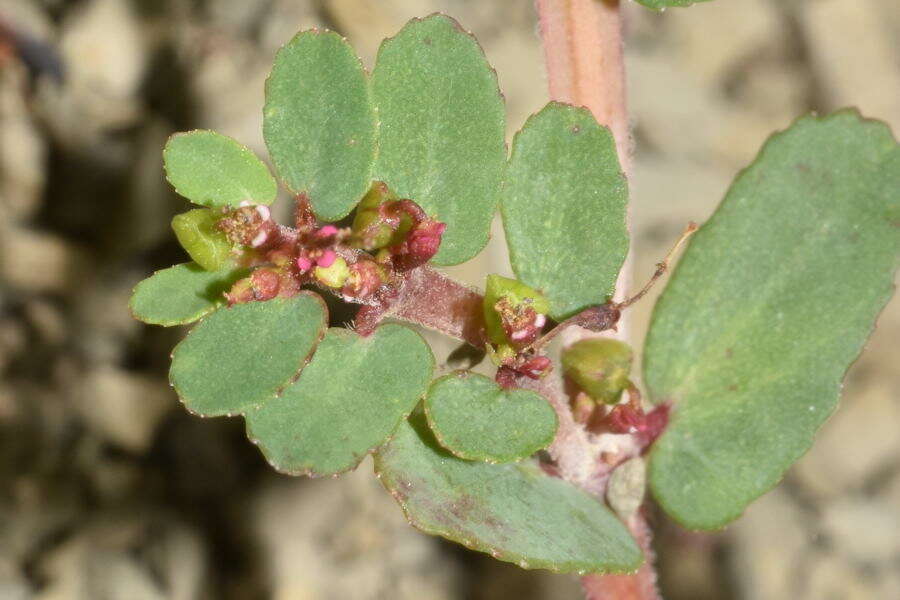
x,y
584,53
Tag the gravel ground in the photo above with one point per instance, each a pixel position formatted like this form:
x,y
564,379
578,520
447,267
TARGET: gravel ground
x,y
109,490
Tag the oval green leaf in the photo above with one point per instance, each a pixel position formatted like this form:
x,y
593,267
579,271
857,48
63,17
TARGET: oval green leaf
x,y
441,141
563,207
318,122
771,302
346,402
214,170
240,357
474,418
515,512
181,294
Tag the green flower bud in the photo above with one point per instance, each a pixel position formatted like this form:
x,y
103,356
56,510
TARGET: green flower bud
x,y
197,233
334,275
600,367
513,312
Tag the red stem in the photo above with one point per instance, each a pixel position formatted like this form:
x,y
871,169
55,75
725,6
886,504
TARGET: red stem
x,y
431,299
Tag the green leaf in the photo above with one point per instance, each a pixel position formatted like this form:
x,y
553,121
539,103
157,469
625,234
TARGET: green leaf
x,y
472,417
563,207
441,141
214,170
664,4
319,123
240,357
346,403
515,512
181,294
772,301
196,232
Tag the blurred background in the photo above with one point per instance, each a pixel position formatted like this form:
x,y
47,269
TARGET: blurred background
x,y
109,490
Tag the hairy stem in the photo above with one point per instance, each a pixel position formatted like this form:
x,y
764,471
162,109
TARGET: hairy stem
x,y
583,51
434,300
639,586
585,66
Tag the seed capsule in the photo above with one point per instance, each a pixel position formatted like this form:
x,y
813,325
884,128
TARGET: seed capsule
x,y
600,367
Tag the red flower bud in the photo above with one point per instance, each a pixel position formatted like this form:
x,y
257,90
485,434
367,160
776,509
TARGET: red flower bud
x,y
421,243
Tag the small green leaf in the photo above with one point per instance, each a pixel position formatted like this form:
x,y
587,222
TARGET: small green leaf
x,y
515,512
441,141
196,232
664,4
181,294
214,170
319,123
475,419
346,403
772,301
240,357
563,208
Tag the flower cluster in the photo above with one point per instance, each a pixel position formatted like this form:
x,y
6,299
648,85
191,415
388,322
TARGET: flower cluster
x,y
388,237
515,315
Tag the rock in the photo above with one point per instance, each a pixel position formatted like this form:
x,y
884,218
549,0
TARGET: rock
x,y
831,577
346,538
103,320
124,408
105,56
863,531
713,42
282,20
47,320
22,149
227,79
146,213
767,541
13,338
113,558
36,262
858,441
854,54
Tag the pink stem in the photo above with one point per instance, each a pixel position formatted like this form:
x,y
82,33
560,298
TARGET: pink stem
x,y
585,66
638,586
584,56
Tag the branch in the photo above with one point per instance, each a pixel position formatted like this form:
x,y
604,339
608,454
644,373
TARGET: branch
x,y
431,299
638,586
585,66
